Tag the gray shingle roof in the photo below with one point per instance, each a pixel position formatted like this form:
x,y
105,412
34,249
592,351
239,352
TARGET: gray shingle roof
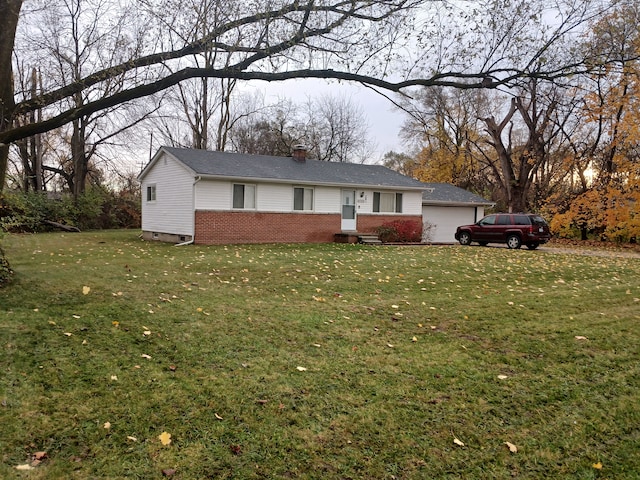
x,y
447,194
280,169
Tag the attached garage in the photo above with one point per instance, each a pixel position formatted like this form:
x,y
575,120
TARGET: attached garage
x,y
445,207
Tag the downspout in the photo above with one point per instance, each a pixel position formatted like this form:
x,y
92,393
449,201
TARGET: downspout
x,y
193,233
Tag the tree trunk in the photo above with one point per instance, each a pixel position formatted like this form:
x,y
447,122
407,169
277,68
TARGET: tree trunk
x,y
9,14
79,155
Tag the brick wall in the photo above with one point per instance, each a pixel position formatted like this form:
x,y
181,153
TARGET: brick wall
x,y
216,227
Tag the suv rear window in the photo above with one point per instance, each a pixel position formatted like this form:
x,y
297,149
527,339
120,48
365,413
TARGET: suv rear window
x,y
521,220
538,220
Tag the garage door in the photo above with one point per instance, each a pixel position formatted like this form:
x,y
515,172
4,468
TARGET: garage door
x,y
447,219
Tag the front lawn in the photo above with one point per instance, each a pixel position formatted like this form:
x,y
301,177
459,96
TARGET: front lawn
x,y
316,361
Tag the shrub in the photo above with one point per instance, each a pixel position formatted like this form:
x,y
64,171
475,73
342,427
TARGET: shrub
x,y
97,208
5,269
404,231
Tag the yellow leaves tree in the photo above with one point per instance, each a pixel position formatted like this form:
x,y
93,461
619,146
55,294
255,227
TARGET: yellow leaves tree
x,y
444,122
585,215
611,108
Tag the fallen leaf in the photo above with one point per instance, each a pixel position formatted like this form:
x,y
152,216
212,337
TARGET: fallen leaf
x,y
25,466
512,447
597,466
68,334
107,425
144,355
301,369
217,416
51,322
165,438
133,439
414,339
114,377
580,337
389,345
40,455
146,333
86,290
502,377
167,472
115,323
458,442
76,316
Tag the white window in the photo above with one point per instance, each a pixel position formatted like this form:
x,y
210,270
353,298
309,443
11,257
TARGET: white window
x,y
302,198
385,202
244,196
151,193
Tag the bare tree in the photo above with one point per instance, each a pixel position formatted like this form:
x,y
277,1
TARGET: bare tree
x,y
282,39
337,129
72,37
332,128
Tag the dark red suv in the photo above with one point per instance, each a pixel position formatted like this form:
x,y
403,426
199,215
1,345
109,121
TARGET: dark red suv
x,y
514,229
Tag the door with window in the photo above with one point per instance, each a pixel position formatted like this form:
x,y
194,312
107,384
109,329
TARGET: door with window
x,y
348,210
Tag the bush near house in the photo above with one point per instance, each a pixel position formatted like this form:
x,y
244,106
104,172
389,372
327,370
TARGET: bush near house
x,y
404,231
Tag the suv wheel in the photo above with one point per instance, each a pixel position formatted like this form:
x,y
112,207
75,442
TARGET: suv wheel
x,y
464,238
513,242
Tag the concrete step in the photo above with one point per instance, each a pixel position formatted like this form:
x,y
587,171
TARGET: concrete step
x,y
369,239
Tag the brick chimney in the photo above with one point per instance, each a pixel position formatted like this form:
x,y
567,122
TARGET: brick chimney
x,y
299,153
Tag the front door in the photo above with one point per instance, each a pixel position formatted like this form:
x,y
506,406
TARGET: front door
x,y
348,211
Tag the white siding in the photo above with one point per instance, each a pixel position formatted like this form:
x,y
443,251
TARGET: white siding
x,y
213,195
447,219
274,197
412,203
172,211
270,197
327,200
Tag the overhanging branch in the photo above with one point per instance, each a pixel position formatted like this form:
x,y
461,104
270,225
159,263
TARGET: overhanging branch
x,y
452,79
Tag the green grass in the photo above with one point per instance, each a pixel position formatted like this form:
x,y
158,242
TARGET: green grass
x,y
403,348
